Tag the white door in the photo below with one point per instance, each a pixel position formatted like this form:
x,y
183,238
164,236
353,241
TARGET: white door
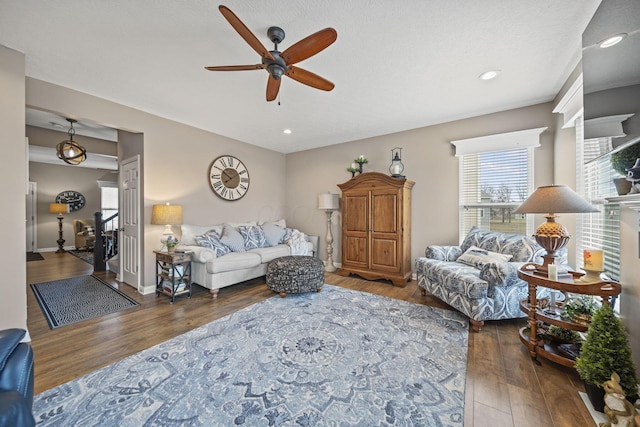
x,y
31,213
129,248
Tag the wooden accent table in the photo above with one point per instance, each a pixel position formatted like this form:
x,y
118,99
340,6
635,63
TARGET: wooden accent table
x,y
603,289
173,274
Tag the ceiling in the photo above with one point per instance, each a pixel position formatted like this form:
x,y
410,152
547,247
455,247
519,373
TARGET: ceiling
x,y
395,68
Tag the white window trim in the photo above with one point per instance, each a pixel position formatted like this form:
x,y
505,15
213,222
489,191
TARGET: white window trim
x,y
529,138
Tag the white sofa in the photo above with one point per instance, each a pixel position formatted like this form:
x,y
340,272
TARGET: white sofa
x,y
213,272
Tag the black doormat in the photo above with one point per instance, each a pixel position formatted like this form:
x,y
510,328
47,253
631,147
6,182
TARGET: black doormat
x,y
76,299
34,256
86,256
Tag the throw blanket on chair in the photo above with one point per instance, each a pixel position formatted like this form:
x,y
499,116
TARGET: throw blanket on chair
x,y
298,243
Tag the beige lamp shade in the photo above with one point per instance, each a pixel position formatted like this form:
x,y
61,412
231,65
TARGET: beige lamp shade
x,y
555,199
328,201
166,214
58,208
550,200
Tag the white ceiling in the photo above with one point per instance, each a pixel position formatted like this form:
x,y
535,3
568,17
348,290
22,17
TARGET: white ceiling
x,y
396,65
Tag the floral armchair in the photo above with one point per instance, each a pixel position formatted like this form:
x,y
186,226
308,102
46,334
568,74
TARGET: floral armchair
x,y
480,277
85,235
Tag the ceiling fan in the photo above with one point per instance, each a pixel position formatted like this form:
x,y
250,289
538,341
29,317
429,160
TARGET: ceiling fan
x,y
279,63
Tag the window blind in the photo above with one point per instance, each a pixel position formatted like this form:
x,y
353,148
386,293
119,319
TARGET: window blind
x,y
492,185
594,182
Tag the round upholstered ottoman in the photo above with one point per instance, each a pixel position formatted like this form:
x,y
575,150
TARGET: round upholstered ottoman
x,y
295,275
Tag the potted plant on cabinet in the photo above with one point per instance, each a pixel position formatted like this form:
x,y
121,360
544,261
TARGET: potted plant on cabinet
x,y
606,350
620,162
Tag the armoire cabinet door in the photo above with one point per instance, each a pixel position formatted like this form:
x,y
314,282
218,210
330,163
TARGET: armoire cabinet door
x,y
356,220
384,230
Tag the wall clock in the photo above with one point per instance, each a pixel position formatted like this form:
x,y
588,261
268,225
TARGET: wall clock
x,y
229,178
74,199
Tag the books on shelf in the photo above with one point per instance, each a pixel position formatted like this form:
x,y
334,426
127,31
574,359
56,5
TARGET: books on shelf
x,y
178,287
168,270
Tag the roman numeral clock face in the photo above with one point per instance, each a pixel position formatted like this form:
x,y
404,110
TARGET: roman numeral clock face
x,y
228,178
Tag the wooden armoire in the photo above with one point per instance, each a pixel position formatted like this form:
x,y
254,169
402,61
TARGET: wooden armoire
x,y
376,227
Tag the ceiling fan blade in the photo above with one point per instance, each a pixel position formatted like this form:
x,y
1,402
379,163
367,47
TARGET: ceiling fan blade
x,y
308,78
245,32
273,86
309,46
236,67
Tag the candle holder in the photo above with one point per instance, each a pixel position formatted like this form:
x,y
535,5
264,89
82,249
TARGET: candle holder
x,y
591,276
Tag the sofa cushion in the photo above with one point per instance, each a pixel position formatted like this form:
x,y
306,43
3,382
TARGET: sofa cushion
x,y
233,261
232,238
273,233
455,277
522,248
253,236
189,232
211,240
477,257
272,252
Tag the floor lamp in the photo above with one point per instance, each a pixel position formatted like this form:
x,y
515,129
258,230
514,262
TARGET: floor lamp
x,y
59,208
329,202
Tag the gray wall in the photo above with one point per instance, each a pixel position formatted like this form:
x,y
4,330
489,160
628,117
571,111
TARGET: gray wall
x,y
13,186
429,160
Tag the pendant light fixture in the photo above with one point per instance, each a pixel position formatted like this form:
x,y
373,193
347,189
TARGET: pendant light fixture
x,y
69,150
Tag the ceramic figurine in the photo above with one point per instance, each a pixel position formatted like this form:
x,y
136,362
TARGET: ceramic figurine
x,y
619,411
633,175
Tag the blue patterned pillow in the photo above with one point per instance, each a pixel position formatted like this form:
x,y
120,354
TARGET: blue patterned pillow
x,y
232,239
273,233
287,235
212,241
253,236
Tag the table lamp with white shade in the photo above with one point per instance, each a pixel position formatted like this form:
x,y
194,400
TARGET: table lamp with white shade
x,y
329,202
166,215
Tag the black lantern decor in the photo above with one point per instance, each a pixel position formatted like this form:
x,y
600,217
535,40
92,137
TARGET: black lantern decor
x,y
396,167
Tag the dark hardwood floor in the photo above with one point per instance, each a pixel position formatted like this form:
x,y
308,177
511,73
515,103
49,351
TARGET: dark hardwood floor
x,y
504,386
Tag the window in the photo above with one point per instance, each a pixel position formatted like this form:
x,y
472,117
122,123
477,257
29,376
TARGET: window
x,y
496,176
594,182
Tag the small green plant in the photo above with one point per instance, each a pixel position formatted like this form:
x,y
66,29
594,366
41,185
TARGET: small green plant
x,y
562,334
583,305
172,242
625,158
605,351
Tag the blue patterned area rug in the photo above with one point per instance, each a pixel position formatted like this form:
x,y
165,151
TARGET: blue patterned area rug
x,y
335,358
68,301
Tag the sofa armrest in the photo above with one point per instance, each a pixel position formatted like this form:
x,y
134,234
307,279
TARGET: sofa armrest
x,y
199,253
315,241
501,273
443,253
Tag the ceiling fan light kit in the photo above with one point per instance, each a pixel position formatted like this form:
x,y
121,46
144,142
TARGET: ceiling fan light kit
x,y
278,63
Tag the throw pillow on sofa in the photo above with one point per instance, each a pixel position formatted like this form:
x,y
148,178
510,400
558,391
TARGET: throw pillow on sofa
x,y
212,241
273,233
253,237
477,257
232,238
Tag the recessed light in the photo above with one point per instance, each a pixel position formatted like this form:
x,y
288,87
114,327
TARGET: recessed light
x,y
488,75
286,131
612,41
